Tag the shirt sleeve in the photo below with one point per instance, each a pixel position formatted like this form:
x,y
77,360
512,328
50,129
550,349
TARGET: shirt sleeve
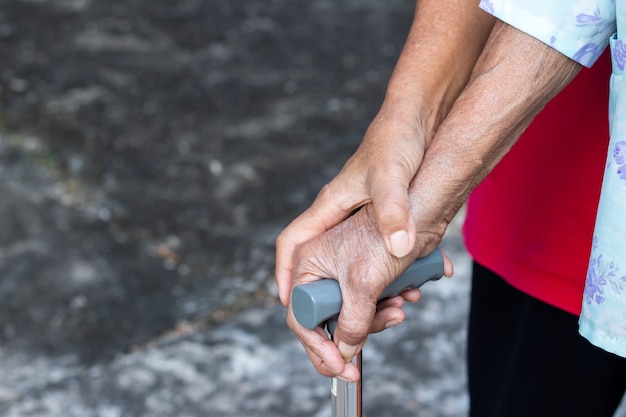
x,y
579,29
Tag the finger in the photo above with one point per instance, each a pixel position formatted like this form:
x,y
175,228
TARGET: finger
x,y
448,267
323,366
390,200
325,212
349,372
411,295
386,317
353,325
389,311
396,301
322,352
300,230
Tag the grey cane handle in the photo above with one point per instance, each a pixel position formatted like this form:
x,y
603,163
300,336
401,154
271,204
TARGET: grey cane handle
x,y
319,301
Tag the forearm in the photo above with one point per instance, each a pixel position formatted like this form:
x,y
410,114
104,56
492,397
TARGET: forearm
x,y
363,251
445,40
507,89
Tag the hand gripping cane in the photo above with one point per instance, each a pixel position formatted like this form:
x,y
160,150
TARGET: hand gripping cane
x,y
319,303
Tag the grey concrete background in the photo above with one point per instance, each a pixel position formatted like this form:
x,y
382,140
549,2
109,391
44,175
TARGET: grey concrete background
x,y
150,152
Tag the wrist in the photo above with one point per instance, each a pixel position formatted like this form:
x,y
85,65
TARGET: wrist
x,y
425,98
402,117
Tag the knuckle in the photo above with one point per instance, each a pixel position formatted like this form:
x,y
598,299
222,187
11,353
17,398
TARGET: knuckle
x,y
284,240
280,239
426,243
393,213
326,192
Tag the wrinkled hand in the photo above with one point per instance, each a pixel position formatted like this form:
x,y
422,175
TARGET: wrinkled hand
x,y
379,172
353,253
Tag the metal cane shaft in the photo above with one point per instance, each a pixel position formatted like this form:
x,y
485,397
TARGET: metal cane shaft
x,y
346,397
359,385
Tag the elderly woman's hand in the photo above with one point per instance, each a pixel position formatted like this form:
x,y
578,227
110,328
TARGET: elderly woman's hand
x,y
354,254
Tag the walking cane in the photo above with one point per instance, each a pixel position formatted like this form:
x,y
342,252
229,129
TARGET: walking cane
x,y
319,303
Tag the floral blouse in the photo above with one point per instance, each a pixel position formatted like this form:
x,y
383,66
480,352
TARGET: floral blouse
x,y
581,30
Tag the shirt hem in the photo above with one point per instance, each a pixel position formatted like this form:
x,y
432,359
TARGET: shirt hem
x,y
601,339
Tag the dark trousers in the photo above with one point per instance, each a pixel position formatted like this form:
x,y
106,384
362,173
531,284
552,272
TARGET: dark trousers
x,y
526,358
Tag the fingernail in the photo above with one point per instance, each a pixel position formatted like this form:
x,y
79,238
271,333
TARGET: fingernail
x,y
399,242
347,351
392,323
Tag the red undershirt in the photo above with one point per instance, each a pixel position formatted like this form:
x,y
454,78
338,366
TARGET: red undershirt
x,y
531,220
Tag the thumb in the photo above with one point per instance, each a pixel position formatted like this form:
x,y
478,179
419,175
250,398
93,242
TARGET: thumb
x,y
390,201
355,320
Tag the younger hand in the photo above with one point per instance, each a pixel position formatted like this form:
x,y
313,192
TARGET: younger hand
x,y
379,172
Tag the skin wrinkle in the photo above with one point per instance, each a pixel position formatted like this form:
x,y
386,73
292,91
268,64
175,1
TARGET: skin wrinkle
x,y
365,278
428,33
319,347
328,193
478,130
507,111
435,84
